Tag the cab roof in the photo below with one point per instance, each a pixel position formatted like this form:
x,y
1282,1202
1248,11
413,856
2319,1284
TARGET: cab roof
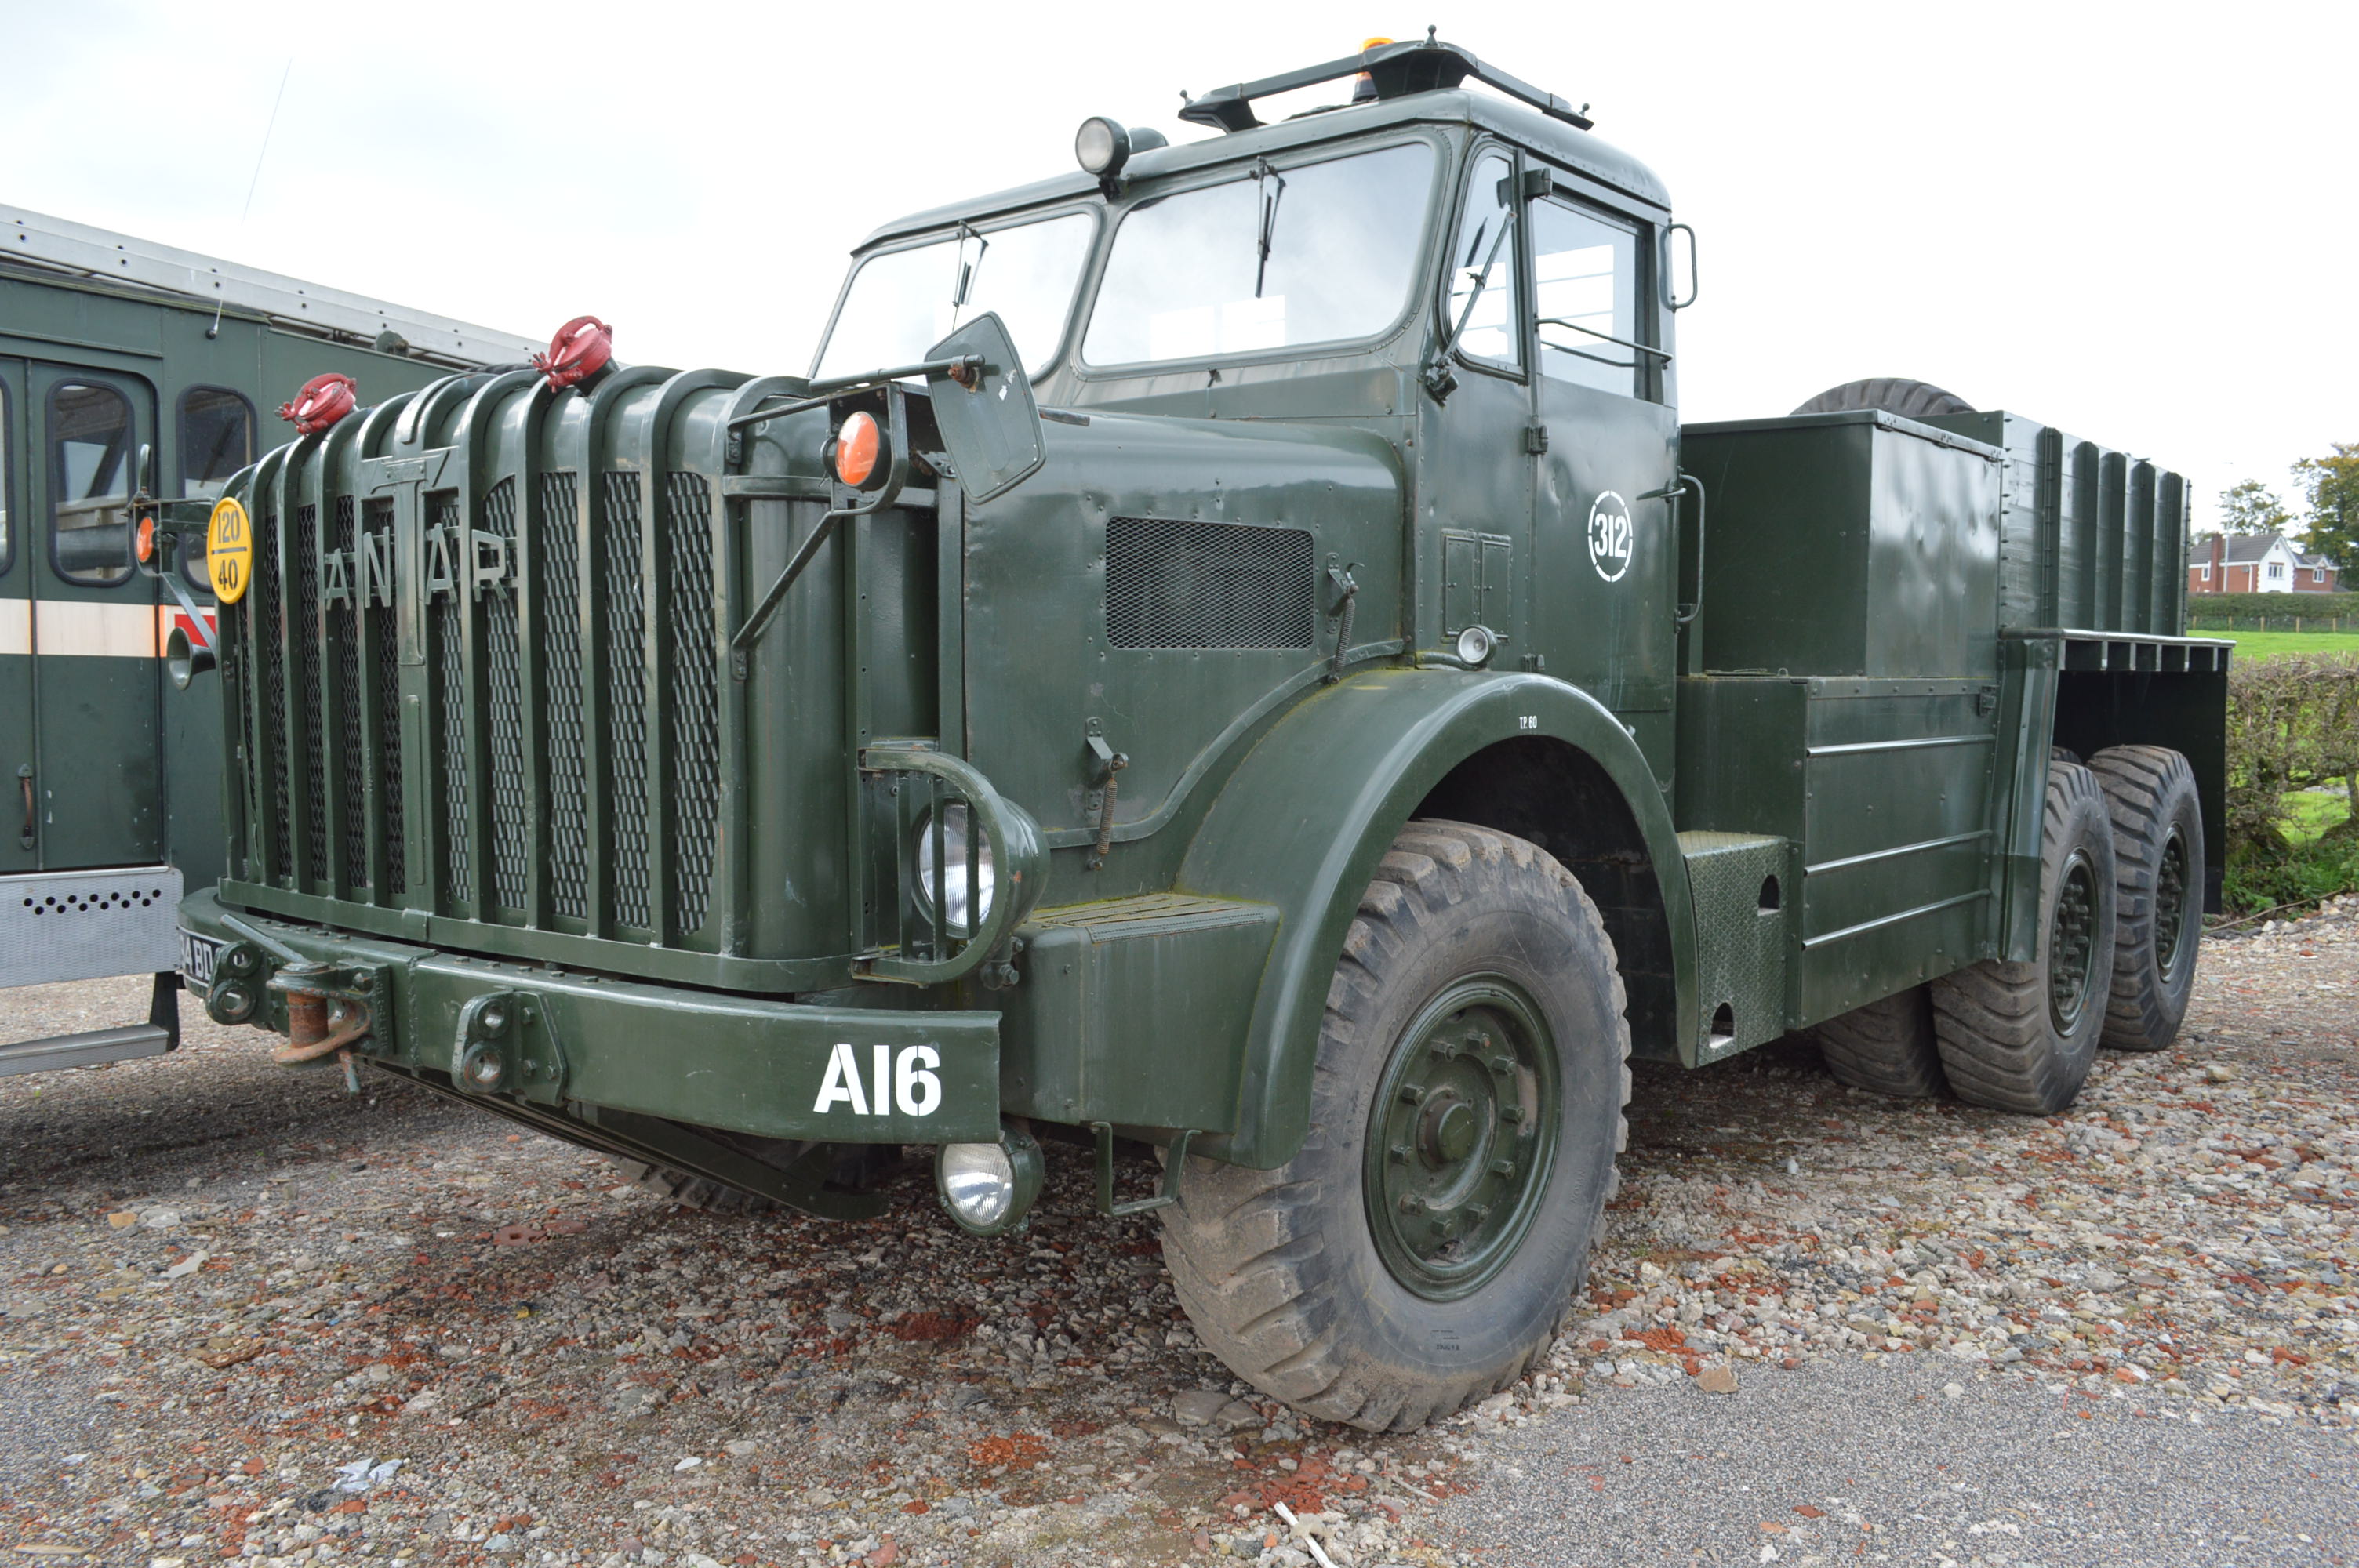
x,y
1552,138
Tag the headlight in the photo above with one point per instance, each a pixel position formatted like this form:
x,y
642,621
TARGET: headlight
x,y
1475,646
989,1188
965,904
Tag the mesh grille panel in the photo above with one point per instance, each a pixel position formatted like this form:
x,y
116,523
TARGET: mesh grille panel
x,y
378,519
626,696
1208,585
557,611
351,765
270,717
446,618
305,592
511,842
695,711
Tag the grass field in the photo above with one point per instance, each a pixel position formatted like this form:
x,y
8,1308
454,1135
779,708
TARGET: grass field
x,y
2308,813
2270,644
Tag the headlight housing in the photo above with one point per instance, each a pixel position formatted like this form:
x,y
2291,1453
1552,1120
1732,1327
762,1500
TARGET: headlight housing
x,y
964,904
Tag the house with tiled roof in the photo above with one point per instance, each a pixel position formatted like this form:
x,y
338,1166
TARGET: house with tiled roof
x,y
2256,562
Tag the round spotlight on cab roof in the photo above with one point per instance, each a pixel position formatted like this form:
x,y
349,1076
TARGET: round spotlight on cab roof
x,y
1101,146
989,1188
1475,646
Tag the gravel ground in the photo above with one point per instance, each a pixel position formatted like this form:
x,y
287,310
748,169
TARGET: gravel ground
x,y
223,1285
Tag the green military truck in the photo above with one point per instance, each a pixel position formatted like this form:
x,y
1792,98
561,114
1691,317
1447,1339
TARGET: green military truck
x,y
1230,648
130,373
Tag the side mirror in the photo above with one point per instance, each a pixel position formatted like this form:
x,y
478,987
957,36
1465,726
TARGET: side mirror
x,y
989,421
184,661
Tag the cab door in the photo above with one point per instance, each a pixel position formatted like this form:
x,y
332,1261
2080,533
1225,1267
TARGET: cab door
x,y
96,776
19,828
1605,546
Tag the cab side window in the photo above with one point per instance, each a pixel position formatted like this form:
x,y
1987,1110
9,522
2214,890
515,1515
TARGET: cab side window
x,y
1483,290
90,483
1585,277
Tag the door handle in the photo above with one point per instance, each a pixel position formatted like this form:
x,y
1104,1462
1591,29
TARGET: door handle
x,y
24,778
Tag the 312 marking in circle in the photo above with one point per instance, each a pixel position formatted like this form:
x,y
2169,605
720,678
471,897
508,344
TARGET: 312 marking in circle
x,y
1610,537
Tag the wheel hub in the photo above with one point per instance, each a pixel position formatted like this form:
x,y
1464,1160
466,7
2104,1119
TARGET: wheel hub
x,y
2170,905
1461,1138
2072,940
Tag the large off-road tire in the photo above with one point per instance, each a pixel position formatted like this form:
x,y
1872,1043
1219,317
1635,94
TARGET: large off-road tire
x,y
1892,393
1887,1047
700,1193
1426,1242
2021,1036
2158,891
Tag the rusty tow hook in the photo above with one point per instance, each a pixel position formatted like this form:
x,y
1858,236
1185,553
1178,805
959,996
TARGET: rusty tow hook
x,y
309,1037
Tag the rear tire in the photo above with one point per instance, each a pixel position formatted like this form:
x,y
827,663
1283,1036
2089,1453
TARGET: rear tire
x,y
1892,393
2022,1036
1887,1047
1425,1243
2159,893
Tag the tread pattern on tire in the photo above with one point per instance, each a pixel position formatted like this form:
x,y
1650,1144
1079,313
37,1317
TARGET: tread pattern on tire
x,y
2138,782
1892,393
1991,1018
1888,1047
1238,1242
700,1192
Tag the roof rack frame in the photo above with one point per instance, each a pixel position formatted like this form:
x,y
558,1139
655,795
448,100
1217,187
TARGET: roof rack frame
x,y
1396,69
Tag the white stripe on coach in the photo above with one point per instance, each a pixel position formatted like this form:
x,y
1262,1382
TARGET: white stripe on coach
x,y
15,625
95,630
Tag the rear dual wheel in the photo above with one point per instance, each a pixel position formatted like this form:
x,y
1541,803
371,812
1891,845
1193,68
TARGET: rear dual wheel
x,y
1425,1243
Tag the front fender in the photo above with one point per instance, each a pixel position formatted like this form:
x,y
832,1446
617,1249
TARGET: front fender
x,y
1313,807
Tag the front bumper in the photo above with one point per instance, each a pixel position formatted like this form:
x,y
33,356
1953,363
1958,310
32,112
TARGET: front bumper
x,y
540,1042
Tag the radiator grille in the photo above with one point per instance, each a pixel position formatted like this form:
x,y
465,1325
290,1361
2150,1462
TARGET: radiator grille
x,y
346,646
626,696
694,796
511,842
378,520
306,597
446,622
1208,585
557,609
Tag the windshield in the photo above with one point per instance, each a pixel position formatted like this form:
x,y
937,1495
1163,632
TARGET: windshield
x,y
904,302
1314,253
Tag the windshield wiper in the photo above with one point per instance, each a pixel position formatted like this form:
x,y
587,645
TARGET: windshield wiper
x,y
1273,190
1437,375
964,289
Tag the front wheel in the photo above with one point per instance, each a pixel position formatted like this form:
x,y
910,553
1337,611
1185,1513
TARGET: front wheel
x,y
1425,1243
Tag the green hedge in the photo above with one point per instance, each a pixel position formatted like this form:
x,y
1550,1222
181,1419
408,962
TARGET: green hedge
x,y
2293,724
2248,610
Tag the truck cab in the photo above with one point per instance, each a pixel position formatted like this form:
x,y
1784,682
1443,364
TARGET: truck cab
x,y
1228,648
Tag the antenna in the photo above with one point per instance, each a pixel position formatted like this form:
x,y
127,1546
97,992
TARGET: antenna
x,y
264,151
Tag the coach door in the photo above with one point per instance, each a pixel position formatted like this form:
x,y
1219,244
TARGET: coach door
x,y
96,783
19,834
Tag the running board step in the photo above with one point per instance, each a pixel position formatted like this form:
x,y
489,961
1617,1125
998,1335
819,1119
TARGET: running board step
x,y
84,1050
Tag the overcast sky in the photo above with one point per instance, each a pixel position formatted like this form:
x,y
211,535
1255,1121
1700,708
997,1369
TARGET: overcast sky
x,y
2135,222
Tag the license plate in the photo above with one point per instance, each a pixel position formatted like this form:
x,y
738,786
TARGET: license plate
x,y
197,956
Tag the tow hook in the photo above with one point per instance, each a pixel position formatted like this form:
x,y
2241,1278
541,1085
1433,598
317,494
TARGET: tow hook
x,y
311,990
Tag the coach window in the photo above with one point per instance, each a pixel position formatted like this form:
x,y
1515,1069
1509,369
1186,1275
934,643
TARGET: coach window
x,y
216,441
1585,275
90,483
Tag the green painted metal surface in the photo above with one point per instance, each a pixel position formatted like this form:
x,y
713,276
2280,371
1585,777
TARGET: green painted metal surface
x,y
1216,648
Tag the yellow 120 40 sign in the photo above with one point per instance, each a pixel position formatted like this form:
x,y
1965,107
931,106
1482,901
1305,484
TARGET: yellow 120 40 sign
x,y
229,550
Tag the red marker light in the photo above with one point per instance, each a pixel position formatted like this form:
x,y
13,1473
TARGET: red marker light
x,y
857,447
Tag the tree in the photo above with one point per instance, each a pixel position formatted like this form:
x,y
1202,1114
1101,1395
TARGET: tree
x,y
2332,484
2252,507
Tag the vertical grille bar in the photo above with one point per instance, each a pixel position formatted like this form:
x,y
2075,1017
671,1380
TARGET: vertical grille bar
x,y
347,802
693,709
303,722
446,632
620,550
270,719
504,713
388,832
557,616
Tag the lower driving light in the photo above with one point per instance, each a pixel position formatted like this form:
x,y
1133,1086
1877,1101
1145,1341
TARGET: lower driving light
x,y
988,1188
945,891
